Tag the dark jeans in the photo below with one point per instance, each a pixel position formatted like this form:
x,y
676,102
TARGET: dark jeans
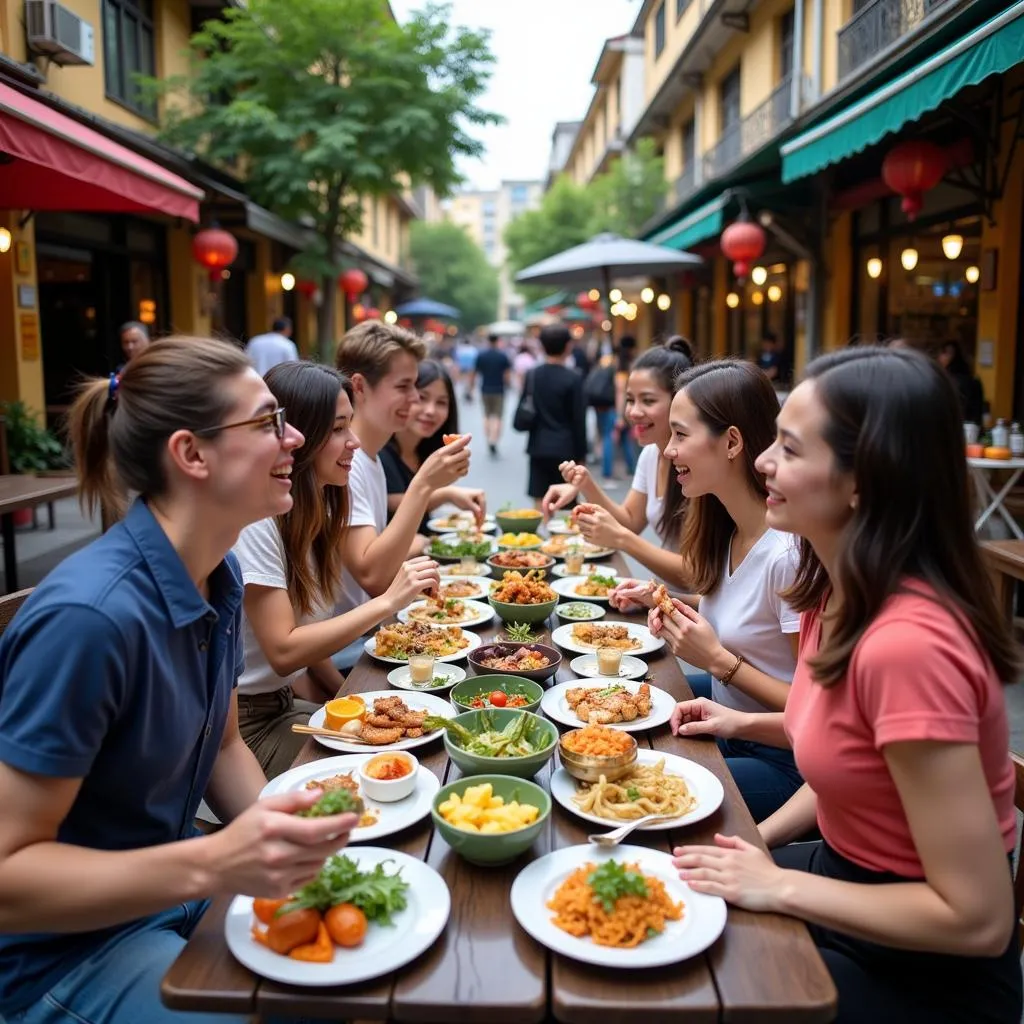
x,y
765,776
882,985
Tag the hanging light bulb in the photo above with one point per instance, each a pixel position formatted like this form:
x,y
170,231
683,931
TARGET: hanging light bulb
x,y
952,246
759,275
664,302
647,295
732,300
615,295
5,240
606,325
391,317
972,273
774,293
287,282
594,294
909,258
874,267
757,298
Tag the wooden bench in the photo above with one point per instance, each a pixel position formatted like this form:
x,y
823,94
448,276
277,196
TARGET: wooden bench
x,y
1004,560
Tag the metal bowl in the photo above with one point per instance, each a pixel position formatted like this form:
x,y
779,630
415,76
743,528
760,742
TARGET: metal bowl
x,y
588,768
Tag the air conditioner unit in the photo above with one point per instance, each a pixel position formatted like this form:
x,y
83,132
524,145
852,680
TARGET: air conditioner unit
x,y
59,33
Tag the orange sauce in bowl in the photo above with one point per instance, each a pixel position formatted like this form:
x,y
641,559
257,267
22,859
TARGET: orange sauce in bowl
x,y
388,768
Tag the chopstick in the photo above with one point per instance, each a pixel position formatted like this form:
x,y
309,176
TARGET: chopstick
x,y
310,730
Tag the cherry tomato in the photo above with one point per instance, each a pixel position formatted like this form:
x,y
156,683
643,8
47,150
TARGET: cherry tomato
x,y
498,699
266,909
346,924
296,928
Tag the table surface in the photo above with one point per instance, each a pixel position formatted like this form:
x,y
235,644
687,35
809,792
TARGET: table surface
x,y
1006,555
995,463
18,491
484,969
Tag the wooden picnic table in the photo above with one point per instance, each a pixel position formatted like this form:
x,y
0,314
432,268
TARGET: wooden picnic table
x,y
484,969
18,492
1004,560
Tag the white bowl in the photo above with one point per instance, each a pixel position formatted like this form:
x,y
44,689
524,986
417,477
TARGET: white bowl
x,y
388,791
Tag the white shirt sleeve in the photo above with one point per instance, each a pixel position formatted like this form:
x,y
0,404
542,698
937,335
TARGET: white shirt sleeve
x,y
260,553
360,492
782,575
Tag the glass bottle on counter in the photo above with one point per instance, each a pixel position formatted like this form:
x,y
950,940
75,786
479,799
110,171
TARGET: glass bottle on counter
x,y
1016,441
1000,434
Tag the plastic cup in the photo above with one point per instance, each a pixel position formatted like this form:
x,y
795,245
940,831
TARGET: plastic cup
x,y
609,661
421,668
574,562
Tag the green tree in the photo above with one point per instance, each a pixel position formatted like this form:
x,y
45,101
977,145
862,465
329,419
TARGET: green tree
x,y
452,268
326,102
630,193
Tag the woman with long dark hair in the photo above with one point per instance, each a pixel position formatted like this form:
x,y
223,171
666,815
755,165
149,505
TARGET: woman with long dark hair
x,y
291,568
896,716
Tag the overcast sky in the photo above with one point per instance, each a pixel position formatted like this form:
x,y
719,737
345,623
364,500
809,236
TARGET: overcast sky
x,y
546,51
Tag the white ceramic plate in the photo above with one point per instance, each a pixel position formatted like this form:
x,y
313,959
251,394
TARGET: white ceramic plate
x,y
399,677
482,584
588,569
594,611
474,642
391,817
703,784
629,668
567,585
556,707
648,643
454,570
415,702
589,551
561,525
384,949
441,524
479,614
702,922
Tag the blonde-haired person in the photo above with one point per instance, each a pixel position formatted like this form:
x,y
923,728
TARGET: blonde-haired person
x,y
291,568
117,701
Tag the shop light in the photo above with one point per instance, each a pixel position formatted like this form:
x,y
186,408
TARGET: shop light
x,y
972,273
732,300
952,246
5,240
757,298
606,325
287,282
594,294
874,268
759,275
647,295
774,293
615,295
391,317
909,258
664,302
577,331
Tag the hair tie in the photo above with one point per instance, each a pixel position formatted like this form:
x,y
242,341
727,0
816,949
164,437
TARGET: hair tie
x,y
115,383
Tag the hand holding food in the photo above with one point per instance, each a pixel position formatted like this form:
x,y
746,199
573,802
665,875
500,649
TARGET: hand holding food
x,y
734,869
703,717
446,465
599,526
557,497
662,601
417,576
450,438
631,595
471,499
688,634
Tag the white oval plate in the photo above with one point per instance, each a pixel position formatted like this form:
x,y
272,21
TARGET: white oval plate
x,y
385,949
391,817
595,611
629,667
399,677
439,524
474,642
561,525
648,643
589,551
481,613
556,707
588,570
702,923
419,702
454,570
567,585
481,582
703,784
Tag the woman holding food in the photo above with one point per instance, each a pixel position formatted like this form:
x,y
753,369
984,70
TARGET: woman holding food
x,y
117,707
655,499
291,568
896,717
743,635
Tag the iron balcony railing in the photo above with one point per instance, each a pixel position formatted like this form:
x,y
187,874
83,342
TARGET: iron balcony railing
x,y
686,184
877,25
752,132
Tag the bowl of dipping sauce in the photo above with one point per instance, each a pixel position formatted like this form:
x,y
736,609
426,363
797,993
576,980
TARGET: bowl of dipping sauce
x,y
389,777
342,710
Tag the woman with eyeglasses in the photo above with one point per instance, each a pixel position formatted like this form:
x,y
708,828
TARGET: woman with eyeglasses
x,y
117,700
291,568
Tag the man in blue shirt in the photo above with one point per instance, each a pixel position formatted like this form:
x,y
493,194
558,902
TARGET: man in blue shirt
x,y
494,371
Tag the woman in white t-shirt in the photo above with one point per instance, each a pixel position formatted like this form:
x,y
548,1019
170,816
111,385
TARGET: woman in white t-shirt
x,y
743,635
291,568
655,499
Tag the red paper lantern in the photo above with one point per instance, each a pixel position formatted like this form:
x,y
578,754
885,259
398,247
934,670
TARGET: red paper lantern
x,y
584,301
910,169
353,283
743,242
215,249
373,313
307,288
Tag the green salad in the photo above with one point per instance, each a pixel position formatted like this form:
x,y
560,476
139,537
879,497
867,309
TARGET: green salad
x,y
460,549
521,737
577,610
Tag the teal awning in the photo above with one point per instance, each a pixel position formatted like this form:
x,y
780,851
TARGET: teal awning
x,y
700,224
990,49
554,299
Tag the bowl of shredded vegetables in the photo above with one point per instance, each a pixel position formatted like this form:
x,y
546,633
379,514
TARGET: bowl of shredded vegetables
x,y
500,741
496,691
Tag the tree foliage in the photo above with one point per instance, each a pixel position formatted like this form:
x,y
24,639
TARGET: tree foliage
x,y
453,269
630,193
326,102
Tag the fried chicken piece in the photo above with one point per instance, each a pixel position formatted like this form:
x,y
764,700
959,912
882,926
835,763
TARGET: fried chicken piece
x,y
413,734
643,700
373,734
662,600
379,721
574,695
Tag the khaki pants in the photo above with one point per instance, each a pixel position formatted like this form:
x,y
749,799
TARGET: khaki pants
x,y
265,722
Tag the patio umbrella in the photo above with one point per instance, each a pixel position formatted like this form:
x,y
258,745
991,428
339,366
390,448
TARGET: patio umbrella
x,y
428,307
506,328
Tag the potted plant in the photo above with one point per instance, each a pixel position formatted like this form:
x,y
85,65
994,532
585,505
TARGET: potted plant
x,y
31,448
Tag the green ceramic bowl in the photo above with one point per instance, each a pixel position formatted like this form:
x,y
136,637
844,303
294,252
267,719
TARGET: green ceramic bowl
x,y
462,693
531,613
500,848
518,524
541,732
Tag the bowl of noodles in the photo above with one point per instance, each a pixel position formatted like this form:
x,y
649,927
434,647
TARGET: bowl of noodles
x,y
595,752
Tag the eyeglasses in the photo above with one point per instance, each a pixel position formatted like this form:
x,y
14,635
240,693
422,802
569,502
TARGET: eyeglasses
x,y
275,418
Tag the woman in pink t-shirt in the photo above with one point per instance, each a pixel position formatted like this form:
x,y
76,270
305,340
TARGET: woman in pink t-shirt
x,y
896,714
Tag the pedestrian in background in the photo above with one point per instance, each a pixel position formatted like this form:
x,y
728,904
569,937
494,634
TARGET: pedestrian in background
x,y
134,339
465,360
494,371
276,346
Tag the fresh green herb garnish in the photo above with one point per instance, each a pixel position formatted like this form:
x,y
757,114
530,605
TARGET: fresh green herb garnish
x,y
608,691
633,793
652,933
576,611
431,683
601,581
612,881
334,801
376,894
520,633
460,549
520,737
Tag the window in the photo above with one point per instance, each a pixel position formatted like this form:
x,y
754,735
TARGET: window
x,y
786,24
689,143
128,50
659,30
729,99
520,194
681,8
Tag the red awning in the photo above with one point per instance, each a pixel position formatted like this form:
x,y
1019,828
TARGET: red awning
x,y
53,162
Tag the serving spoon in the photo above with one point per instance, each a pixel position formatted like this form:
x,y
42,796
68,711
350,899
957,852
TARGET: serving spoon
x,y
616,836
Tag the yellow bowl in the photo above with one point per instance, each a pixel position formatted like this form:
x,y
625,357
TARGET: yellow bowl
x,y
343,710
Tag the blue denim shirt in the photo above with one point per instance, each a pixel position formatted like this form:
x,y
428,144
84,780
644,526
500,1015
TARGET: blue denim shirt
x,y
116,671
